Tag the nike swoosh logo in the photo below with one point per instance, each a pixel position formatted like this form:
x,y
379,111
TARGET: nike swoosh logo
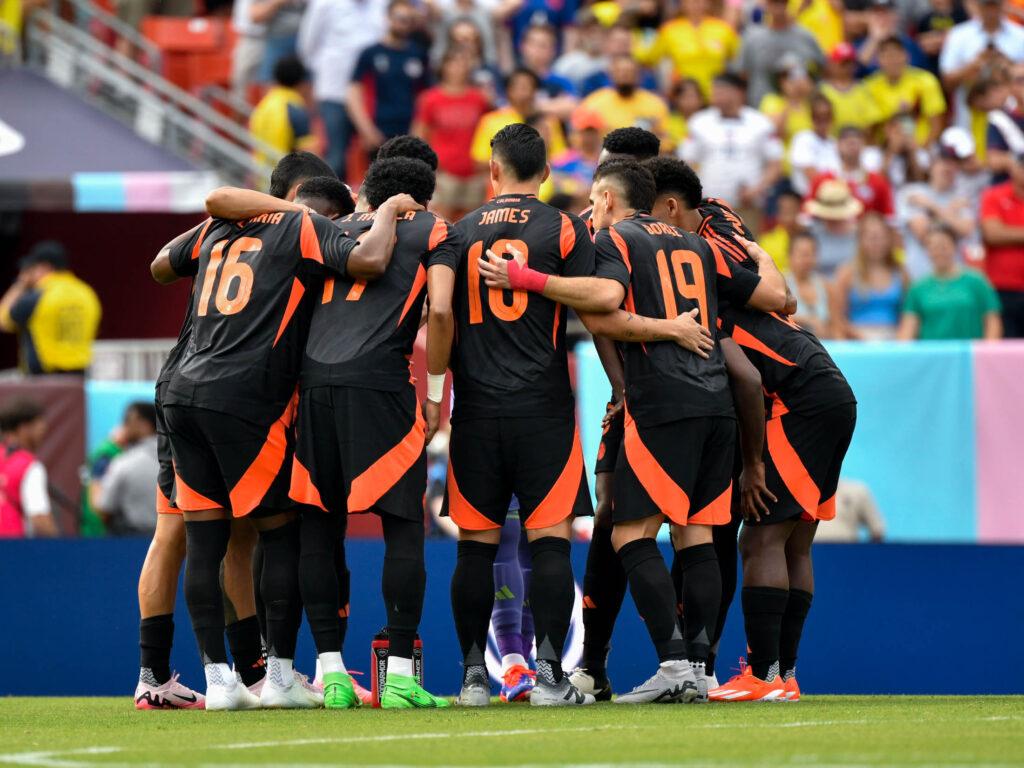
x,y
191,699
414,701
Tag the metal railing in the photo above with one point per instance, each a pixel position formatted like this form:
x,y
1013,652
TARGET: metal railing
x,y
158,110
129,359
88,17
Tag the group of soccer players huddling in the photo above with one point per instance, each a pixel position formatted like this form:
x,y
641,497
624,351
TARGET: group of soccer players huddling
x,y
288,404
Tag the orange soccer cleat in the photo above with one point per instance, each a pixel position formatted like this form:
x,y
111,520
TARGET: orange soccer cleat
x,y
792,689
746,687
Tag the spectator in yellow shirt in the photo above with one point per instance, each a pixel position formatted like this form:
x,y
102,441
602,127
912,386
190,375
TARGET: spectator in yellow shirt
x,y
789,106
55,314
899,88
281,119
787,223
625,104
685,100
698,44
822,18
521,88
851,104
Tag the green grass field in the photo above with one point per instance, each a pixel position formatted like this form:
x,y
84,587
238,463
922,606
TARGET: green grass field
x,y
819,731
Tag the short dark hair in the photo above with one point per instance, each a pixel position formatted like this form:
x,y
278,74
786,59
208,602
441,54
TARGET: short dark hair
x,y
521,149
398,175
523,72
47,252
290,72
143,409
892,41
636,182
408,146
672,175
19,411
327,196
731,79
296,167
633,142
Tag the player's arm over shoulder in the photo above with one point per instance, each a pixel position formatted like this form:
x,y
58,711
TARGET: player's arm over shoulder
x,y
178,257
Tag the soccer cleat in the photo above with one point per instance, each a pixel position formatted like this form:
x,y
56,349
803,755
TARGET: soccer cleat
x,y
746,687
703,686
474,694
516,683
598,687
170,695
712,682
364,696
294,696
405,692
565,694
232,695
256,689
314,688
339,691
673,683
792,689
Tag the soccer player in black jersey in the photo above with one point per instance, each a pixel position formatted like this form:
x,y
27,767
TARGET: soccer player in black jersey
x,y
811,414
361,433
679,429
604,582
158,580
229,408
514,424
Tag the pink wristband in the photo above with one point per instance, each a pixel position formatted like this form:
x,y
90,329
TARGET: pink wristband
x,y
526,279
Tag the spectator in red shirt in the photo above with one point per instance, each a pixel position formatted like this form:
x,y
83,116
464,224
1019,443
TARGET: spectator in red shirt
x,y
870,187
446,118
1002,229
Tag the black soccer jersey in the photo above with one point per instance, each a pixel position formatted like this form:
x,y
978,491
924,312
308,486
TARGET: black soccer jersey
x,y
249,309
667,272
797,373
722,225
362,333
510,356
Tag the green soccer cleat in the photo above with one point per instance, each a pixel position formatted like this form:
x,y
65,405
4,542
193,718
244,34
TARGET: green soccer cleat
x,y
338,692
403,692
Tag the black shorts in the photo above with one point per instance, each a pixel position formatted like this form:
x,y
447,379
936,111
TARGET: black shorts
x,y
539,459
221,460
803,457
165,504
360,450
682,469
611,442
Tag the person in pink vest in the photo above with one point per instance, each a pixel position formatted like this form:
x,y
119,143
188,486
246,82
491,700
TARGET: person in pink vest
x,y
24,498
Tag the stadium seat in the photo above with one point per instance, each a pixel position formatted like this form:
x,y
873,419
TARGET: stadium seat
x,y
197,51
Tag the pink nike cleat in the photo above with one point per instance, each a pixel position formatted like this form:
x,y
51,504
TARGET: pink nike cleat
x,y
361,693
256,689
170,695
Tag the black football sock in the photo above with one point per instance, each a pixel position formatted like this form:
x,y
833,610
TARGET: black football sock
x,y
279,587
676,571
206,543
319,546
403,582
727,552
797,608
156,635
763,608
344,577
702,595
552,591
246,646
257,578
604,587
472,595
651,586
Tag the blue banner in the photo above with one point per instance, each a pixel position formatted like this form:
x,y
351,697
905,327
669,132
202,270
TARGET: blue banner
x,y
886,619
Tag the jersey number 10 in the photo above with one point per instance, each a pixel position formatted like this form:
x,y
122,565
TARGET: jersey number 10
x,y
688,286
495,296
236,275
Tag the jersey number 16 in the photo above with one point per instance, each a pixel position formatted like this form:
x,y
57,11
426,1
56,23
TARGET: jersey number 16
x,y
236,276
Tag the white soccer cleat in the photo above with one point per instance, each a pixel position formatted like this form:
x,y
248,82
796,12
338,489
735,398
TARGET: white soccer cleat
x,y
294,696
712,682
230,695
585,682
474,695
565,694
316,691
673,683
170,695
